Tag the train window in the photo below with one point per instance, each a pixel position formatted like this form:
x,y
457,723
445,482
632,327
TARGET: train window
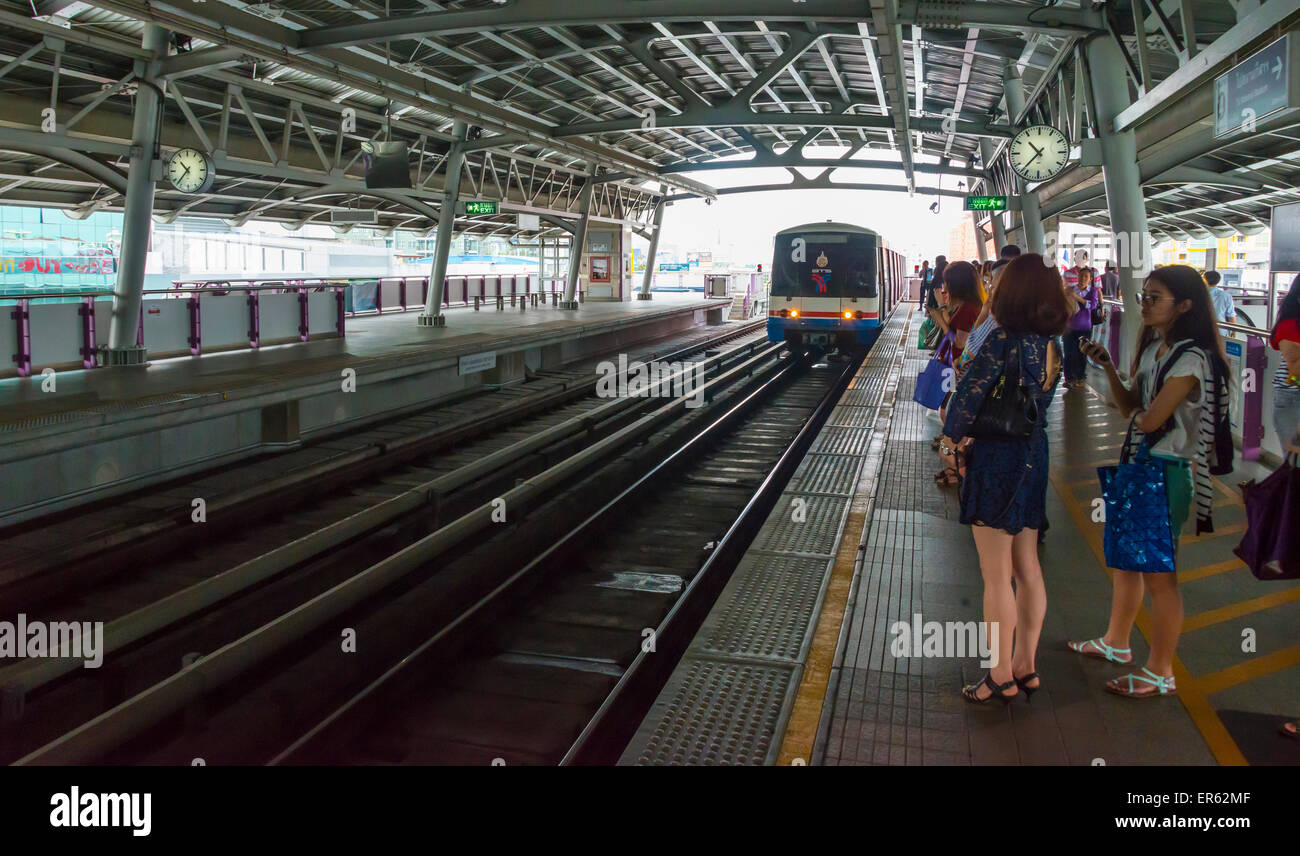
x,y
844,264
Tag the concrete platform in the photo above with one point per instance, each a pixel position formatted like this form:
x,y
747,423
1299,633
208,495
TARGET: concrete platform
x,y
102,432
893,548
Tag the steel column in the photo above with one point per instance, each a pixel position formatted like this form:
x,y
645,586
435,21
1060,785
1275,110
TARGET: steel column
x,y
979,239
648,279
1130,240
1029,213
137,212
579,240
995,217
431,315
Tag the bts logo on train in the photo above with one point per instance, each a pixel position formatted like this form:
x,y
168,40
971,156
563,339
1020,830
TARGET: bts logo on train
x,y
835,300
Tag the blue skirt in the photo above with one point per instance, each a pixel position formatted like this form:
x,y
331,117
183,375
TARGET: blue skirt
x,y
1006,483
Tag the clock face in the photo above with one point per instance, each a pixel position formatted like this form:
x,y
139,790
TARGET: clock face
x,y
1039,152
190,171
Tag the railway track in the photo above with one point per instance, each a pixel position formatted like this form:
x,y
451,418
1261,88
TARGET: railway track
x,y
278,673
286,544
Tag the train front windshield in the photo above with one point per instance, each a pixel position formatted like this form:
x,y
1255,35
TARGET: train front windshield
x,y
834,264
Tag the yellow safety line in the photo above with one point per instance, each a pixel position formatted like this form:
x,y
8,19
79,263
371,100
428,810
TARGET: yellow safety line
x,y
1236,610
1184,540
1204,716
1211,570
1259,667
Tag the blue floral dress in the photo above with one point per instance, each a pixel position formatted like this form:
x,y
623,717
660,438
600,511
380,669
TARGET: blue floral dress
x,y
1006,480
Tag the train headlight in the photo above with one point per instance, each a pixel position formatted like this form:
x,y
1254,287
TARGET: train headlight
x,y
785,313
848,314
794,313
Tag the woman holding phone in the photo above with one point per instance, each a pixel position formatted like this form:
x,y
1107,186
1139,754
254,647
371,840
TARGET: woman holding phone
x,y
1178,405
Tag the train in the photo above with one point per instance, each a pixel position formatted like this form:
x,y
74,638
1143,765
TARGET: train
x,y
830,285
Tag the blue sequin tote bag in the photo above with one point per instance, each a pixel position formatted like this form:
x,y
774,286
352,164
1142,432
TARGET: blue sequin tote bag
x,y
935,382
1139,533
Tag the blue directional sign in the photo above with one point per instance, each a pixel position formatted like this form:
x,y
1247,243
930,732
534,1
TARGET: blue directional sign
x,y
1254,89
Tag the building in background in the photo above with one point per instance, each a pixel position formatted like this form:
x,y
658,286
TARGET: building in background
x,y
961,242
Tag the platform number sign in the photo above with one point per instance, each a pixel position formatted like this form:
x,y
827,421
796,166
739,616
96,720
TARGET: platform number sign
x,y
1039,152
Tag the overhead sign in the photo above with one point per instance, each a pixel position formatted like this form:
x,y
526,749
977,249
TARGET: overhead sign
x,y
1284,239
532,222
986,203
471,363
480,207
353,215
1256,88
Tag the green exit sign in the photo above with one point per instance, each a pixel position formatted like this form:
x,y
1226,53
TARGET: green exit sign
x,y
480,208
986,203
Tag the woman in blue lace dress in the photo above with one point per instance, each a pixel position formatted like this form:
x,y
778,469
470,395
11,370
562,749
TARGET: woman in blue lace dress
x,y
1004,492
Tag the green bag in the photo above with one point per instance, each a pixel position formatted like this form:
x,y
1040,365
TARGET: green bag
x,y
927,326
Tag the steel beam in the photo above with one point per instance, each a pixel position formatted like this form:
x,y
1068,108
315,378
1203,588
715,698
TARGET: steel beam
x,y
738,116
649,276
579,242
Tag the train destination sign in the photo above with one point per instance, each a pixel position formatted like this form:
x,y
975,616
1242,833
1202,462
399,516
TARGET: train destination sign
x,y
480,207
986,203
1256,88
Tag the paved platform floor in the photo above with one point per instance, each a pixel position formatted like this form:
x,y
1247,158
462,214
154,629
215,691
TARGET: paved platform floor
x,y
389,338
920,560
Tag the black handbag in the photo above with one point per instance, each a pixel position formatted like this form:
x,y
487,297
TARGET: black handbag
x,y
1009,411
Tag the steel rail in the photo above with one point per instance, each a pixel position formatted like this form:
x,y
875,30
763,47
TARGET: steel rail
x,y
113,728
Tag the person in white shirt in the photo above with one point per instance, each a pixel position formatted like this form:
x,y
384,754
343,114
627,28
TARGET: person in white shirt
x,y
1224,309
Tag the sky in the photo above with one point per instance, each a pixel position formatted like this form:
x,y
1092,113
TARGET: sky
x,y
746,223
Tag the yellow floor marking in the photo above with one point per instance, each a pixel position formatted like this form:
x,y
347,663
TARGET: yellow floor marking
x,y
1184,540
1236,610
1206,719
1266,664
1210,570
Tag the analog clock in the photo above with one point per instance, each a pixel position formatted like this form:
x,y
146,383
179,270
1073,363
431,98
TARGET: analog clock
x,y
191,171
1039,152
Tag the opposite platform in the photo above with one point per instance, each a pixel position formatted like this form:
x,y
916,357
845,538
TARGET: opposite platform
x,y
101,432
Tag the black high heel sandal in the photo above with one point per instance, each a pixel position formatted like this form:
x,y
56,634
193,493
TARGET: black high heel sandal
x,y
998,691
1023,684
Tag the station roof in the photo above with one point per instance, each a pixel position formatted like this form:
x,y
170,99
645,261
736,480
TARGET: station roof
x,y
653,94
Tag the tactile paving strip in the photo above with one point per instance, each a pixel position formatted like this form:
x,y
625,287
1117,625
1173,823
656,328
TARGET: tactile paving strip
x,y
714,712
766,610
812,531
841,441
851,417
826,474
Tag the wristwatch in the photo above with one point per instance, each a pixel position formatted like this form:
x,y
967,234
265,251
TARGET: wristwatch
x,y
944,450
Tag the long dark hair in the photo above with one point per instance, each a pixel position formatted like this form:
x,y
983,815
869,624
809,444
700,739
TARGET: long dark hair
x,y
1198,323
1290,304
940,262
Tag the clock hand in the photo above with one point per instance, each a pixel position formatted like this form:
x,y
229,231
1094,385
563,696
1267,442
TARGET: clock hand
x,y
1034,158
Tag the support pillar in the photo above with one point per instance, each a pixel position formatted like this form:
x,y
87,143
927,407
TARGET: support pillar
x,y
1030,215
648,279
137,212
579,241
1130,240
431,315
999,228
980,249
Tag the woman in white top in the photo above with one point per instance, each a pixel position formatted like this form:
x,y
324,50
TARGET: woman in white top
x,y
1178,405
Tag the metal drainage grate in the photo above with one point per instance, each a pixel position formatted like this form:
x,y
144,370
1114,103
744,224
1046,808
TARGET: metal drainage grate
x,y
766,610
714,713
820,473
814,532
